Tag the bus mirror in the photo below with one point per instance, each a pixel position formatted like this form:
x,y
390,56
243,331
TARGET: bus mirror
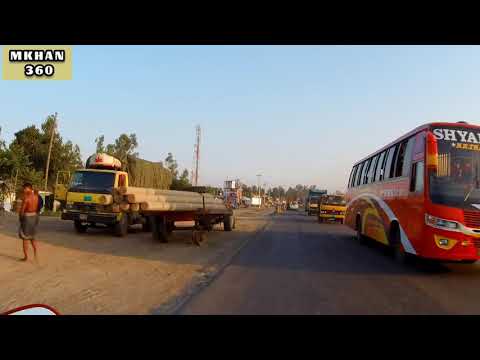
x,y
432,152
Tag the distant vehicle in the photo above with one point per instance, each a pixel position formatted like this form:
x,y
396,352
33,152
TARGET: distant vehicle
x,y
420,194
293,206
332,208
311,202
256,201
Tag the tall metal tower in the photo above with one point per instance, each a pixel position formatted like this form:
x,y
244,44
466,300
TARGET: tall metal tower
x,y
196,157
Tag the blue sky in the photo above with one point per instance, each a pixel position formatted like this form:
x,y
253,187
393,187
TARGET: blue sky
x,y
296,114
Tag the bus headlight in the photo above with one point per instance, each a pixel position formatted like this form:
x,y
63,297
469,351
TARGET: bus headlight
x,y
441,223
69,206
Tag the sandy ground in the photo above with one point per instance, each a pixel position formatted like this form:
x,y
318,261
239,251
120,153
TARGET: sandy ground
x,y
97,273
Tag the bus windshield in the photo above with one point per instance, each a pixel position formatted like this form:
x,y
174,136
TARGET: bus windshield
x,y
95,182
456,180
334,200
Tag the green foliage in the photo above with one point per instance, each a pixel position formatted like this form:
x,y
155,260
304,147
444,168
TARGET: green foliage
x,y
100,142
27,155
123,147
171,165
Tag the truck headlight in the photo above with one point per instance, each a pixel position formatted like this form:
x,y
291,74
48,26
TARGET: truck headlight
x,y
441,223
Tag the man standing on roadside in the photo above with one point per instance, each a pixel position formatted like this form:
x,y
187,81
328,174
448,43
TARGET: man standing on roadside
x,y
28,220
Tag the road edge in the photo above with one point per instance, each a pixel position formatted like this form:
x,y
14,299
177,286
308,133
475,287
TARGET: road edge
x,y
197,285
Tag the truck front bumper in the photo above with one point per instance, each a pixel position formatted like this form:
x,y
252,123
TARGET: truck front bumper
x,y
107,219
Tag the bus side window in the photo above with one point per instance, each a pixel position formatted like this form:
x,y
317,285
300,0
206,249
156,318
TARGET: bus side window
x,y
359,173
416,181
400,159
366,167
373,167
389,166
352,174
379,171
407,161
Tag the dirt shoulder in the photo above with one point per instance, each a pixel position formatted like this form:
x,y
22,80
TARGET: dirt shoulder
x,y
96,273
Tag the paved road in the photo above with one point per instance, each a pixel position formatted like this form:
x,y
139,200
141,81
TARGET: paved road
x,y
297,266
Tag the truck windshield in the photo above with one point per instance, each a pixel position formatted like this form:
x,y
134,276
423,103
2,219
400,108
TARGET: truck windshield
x,y
335,200
95,182
456,180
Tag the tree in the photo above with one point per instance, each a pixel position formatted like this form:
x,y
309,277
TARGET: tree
x,y
182,183
28,154
123,147
100,142
171,165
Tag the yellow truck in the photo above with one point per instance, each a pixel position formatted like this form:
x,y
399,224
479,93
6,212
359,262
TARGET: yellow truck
x,y
89,197
332,208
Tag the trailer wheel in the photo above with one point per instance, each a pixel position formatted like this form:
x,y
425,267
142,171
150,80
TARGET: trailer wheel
x,y
170,226
228,222
159,229
120,229
79,227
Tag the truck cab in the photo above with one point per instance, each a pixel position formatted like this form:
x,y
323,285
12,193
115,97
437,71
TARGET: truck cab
x,y
332,208
91,194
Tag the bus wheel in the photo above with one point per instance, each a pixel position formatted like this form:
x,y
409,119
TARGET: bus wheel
x,y
359,236
398,251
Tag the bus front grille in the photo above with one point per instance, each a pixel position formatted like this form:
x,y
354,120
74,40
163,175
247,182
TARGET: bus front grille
x,y
472,219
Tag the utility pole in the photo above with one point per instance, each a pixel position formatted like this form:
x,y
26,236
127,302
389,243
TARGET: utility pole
x,y
196,156
258,184
50,149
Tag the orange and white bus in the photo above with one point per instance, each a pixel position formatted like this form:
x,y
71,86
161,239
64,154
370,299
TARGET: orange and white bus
x,y
420,194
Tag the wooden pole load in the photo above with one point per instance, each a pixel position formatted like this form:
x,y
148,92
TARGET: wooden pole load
x,y
166,200
160,206
135,199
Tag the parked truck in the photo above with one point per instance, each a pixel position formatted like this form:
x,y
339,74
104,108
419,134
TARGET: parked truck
x,y
91,195
110,194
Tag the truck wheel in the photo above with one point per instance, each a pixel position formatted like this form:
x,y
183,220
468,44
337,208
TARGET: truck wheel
x,y
79,227
228,222
159,229
121,228
147,226
170,226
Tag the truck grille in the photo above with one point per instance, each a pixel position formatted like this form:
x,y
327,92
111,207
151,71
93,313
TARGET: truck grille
x,y
86,207
472,219
476,243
